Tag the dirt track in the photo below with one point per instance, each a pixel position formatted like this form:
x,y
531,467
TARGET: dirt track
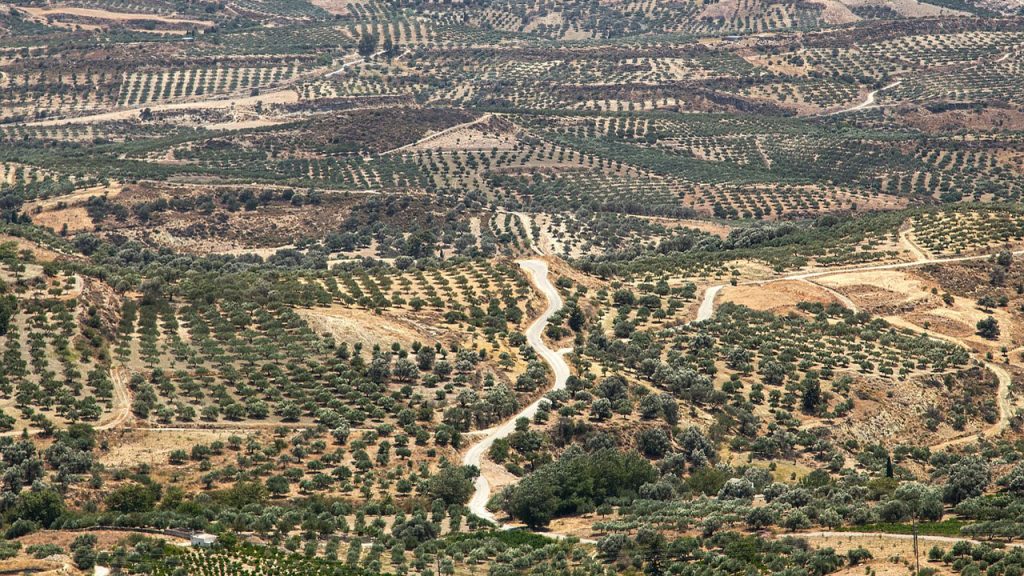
x,y
538,271
868,102
285,96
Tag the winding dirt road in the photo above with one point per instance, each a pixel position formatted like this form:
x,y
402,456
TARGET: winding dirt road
x,y
869,101
538,272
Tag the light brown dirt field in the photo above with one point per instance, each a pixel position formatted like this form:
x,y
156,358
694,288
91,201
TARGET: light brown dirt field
x,y
354,325
483,133
39,12
882,289
40,253
77,220
287,96
780,298
961,320
131,447
785,470
898,293
75,198
470,138
339,7
728,9
778,66
907,8
37,567
885,551
989,119
247,124
717,228
104,538
579,526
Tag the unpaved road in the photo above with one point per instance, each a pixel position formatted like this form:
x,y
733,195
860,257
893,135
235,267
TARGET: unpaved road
x,y
284,96
911,246
122,409
707,305
869,101
538,272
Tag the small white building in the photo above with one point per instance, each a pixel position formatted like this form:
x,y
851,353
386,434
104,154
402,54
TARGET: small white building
x,y
203,540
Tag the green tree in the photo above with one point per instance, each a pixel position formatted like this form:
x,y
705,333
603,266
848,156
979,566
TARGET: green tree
x,y
917,502
988,328
453,484
43,506
367,44
966,479
132,498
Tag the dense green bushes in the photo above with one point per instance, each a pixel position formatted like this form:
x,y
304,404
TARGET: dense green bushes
x,y
577,482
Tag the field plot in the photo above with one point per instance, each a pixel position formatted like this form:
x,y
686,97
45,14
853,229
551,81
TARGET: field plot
x,y
512,287
56,366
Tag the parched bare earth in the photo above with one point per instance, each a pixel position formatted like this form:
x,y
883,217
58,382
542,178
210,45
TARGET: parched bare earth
x,y
278,97
900,293
56,212
38,12
76,197
339,7
891,555
129,447
105,538
781,298
881,290
76,219
354,325
37,567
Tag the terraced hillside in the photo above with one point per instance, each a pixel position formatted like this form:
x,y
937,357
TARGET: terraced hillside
x,y
361,287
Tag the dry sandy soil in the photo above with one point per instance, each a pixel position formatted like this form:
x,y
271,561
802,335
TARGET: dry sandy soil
x,y
40,253
59,566
55,213
76,219
131,447
354,325
105,538
782,297
339,7
892,556
76,197
836,12
883,290
98,14
286,96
